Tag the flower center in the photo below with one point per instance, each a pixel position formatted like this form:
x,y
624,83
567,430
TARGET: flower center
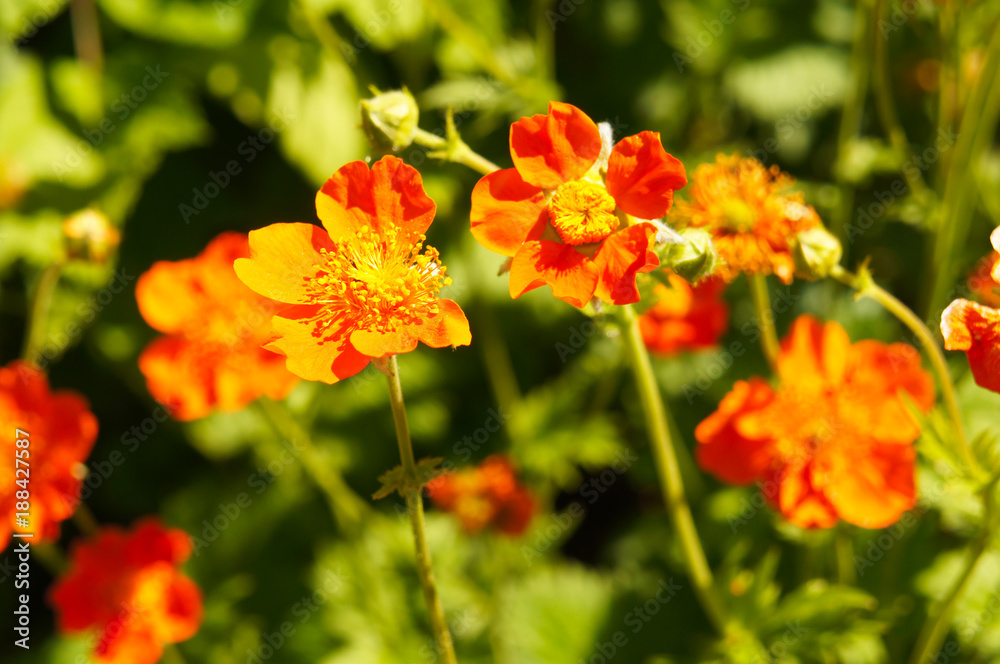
x,y
582,212
380,282
737,215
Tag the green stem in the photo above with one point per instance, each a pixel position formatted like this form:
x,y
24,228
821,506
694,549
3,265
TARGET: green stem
x,y
844,545
87,33
765,315
496,357
458,153
85,520
886,107
41,301
415,508
939,617
947,82
669,473
347,507
867,287
974,136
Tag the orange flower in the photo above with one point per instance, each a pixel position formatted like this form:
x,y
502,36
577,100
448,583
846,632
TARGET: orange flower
x,y
750,216
365,287
61,432
125,587
833,439
569,213
685,317
488,495
211,358
975,328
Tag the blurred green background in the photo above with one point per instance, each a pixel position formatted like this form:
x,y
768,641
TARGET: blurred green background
x,y
136,106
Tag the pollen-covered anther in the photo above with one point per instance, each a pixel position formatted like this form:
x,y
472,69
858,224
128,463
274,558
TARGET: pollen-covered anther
x,y
582,212
380,283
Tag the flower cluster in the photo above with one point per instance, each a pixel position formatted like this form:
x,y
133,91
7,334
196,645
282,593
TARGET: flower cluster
x,y
484,496
62,431
572,212
211,358
125,588
834,438
752,216
975,328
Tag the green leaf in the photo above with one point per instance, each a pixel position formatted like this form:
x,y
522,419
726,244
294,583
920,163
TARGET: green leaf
x,y
551,617
215,24
396,480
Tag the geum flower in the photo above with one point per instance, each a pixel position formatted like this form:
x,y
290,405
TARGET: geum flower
x,y
685,317
125,588
488,495
833,439
752,216
60,432
572,215
363,288
975,328
211,358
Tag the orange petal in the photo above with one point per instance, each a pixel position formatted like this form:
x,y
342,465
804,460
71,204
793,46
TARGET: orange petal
x,y
876,488
642,177
572,276
168,295
975,329
801,357
722,450
619,258
506,212
390,194
315,351
449,327
551,149
283,261
177,377
801,503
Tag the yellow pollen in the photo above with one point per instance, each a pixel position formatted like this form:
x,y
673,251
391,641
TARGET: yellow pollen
x,y
582,212
737,215
377,282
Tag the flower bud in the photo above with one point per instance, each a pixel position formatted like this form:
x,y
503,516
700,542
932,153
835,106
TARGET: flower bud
x,y
390,119
816,251
89,235
694,258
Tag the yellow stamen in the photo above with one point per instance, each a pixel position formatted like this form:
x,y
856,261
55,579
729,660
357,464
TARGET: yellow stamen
x,y
378,282
582,212
737,215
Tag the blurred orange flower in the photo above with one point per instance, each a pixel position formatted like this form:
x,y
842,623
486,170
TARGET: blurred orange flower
x,y
363,288
211,358
487,495
61,432
685,317
975,328
834,438
752,218
125,587
570,213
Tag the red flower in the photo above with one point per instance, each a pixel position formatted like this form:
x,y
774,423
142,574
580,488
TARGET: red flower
x,y
363,288
571,217
126,587
833,440
488,495
211,358
685,317
60,432
975,328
